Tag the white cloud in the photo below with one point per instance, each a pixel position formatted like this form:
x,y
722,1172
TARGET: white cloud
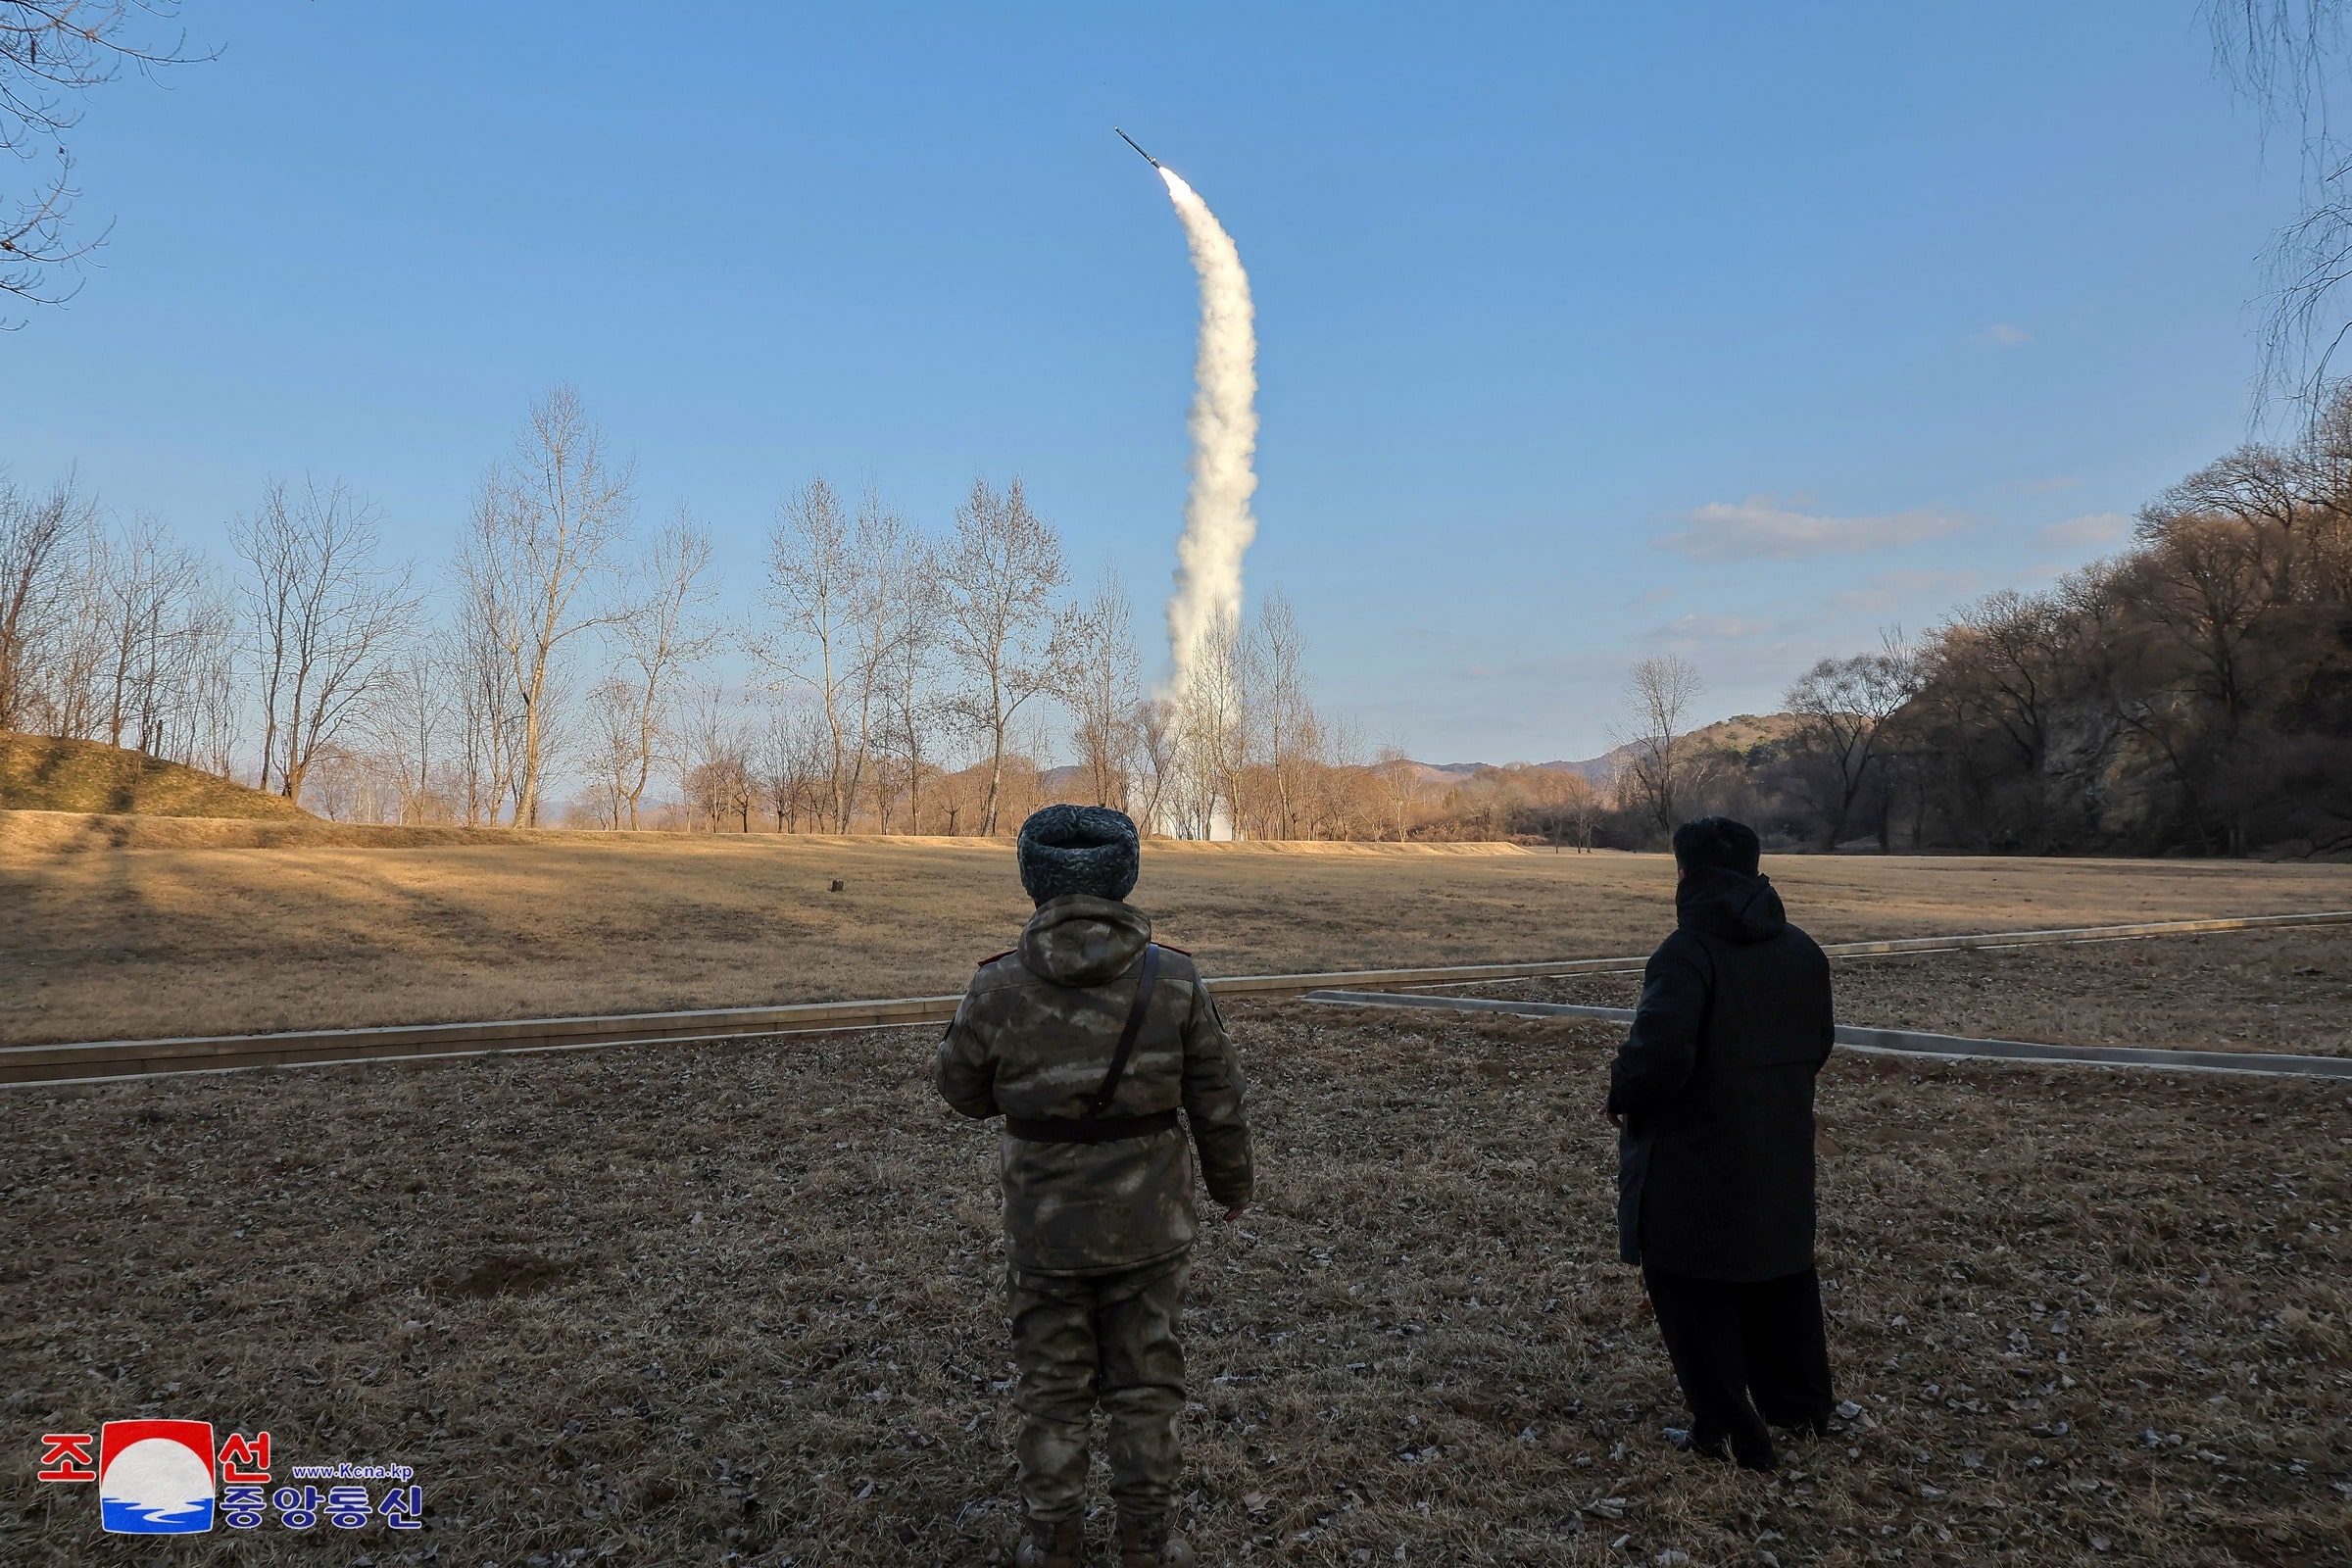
x,y
2004,336
1590,665
1893,590
1760,527
1715,628
2093,529
1431,634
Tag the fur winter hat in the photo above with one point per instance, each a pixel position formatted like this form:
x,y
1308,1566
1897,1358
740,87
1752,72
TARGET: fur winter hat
x,y
1717,841
1079,848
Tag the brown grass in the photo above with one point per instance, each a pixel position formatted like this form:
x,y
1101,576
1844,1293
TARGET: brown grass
x,y
44,775
734,1304
426,925
2288,990
55,832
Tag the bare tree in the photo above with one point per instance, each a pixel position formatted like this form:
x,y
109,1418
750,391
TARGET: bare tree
x,y
2281,55
2212,583
662,634
144,586
114,635
614,755
159,675
1155,744
1214,728
327,617
77,648
1292,730
820,586
1336,786
719,785
884,552
911,709
53,52
489,709
793,773
1583,810
1658,693
1842,708
209,700
42,539
1101,685
2007,646
355,786
1398,775
546,524
1001,573
414,716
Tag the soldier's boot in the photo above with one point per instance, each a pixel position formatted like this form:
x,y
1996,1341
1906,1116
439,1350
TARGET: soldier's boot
x,y
1051,1545
1150,1543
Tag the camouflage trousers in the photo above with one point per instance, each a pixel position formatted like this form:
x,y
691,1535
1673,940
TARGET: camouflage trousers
x,y
1107,1339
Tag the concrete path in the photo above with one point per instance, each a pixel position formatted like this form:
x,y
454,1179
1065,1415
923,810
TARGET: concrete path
x,y
1903,1042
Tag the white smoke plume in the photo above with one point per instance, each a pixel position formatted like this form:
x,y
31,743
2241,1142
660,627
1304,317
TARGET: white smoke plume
x,y
1218,525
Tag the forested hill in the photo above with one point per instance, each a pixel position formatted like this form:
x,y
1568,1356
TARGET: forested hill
x,y
1741,732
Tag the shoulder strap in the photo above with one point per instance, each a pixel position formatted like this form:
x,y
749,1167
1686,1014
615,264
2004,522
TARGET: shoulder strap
x,y
1135,1024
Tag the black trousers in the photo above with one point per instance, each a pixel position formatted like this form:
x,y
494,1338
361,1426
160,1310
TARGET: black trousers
x,y
1729,1342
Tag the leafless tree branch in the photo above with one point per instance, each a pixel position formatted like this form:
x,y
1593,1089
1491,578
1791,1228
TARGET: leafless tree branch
x,y
51,54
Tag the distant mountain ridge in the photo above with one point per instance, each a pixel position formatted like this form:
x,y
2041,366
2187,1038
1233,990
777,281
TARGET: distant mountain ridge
x,y
1741,732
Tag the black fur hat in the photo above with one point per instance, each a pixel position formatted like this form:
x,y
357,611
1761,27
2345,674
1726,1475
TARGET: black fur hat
x,y
1717,841
1079,848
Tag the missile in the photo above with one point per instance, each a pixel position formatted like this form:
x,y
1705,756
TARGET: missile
x,y
1139,152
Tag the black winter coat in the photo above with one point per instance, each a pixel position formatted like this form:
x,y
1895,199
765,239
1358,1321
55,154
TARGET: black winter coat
x,y
1715,1083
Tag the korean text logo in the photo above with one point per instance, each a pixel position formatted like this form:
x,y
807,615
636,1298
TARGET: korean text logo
x,y
156,1478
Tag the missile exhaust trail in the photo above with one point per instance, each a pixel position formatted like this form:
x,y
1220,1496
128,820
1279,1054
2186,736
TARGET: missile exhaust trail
x,y
1218,523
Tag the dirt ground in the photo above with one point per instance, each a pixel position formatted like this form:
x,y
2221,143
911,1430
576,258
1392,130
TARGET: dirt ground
x,y
2285,990
708,1304
172,934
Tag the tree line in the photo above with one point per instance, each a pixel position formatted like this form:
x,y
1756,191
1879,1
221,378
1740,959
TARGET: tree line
x,y
895,679
2191,694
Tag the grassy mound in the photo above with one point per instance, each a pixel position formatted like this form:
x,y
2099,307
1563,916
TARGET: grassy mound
x,y
42,773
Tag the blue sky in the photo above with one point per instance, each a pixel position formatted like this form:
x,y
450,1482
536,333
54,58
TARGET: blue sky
x,y
1585,332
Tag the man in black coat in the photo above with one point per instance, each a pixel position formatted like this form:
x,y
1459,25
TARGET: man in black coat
x,y
1713,1091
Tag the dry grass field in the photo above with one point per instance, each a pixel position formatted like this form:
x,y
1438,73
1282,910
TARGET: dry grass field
x,y
2286,991
742,1304
124,928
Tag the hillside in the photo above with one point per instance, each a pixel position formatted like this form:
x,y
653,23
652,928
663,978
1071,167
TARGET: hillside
x,y
42,773
1738,734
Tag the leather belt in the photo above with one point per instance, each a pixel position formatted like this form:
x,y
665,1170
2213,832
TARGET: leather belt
x,y
1089,1129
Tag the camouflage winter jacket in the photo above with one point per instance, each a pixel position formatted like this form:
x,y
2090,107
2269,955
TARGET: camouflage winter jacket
x,y
1033,1039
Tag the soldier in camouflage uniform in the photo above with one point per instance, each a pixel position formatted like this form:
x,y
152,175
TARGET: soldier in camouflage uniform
x,y
1087,1038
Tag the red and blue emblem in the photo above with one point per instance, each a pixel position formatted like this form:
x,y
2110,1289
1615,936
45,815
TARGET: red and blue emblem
x,y
155,1478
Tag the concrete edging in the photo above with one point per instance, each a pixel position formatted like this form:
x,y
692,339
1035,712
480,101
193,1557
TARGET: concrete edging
x,y
1905,1041
109,1060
